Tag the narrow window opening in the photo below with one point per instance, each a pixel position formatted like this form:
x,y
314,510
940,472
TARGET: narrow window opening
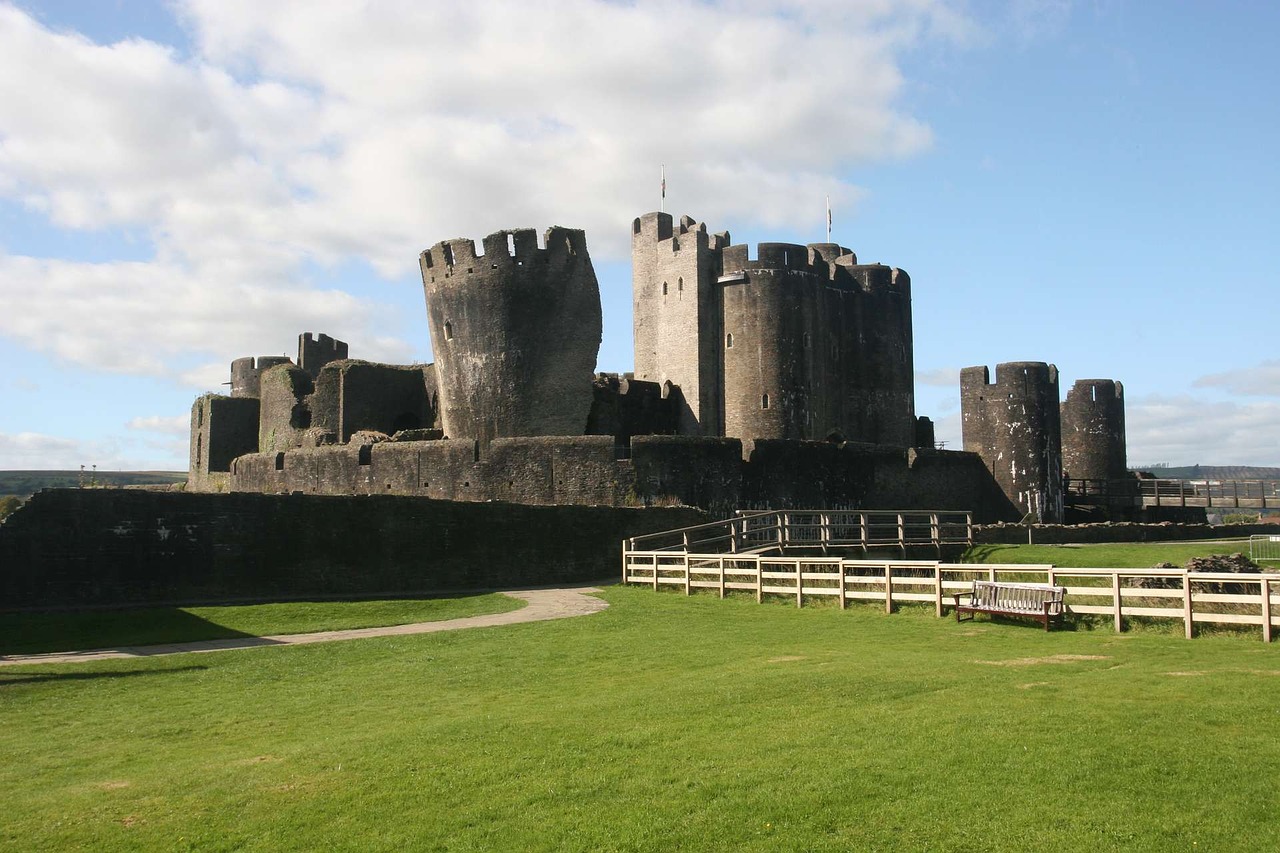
x,y
1094,392
764,401
680,284
448,254
664,288
511,245
199,415
199,448
807,340
365,454
475,451
279,461
448,331
728,341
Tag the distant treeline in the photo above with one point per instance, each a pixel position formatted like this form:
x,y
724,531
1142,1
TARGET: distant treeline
x,y
27,483
1214,472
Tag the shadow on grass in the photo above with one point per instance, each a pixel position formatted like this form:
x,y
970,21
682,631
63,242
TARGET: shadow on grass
x,y
27,677
30,633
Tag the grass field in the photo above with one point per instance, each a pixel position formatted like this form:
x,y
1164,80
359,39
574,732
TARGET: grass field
x,y
29,633
1136,555
662,723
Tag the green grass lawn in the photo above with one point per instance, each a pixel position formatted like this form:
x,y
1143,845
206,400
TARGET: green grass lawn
x,y
29,633
663,723
1136,555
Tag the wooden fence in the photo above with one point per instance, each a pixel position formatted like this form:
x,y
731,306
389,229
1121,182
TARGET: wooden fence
x,y
779,531
1195,597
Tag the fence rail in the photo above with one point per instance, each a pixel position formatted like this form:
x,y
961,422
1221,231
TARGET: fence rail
x,y
1192,598
818,530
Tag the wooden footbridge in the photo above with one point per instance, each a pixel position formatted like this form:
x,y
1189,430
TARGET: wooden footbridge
x,y
1217,494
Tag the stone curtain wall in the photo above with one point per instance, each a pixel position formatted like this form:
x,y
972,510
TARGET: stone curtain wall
x,y
73,547
657,470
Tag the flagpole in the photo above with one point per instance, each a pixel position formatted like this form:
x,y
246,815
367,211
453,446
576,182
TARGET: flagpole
x,y
828,219
663,207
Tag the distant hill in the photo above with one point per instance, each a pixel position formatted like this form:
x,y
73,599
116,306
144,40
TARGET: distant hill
x,y
26,483
1214,472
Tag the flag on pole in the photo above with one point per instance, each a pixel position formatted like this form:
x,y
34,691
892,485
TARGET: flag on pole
x,y
664,187
828,219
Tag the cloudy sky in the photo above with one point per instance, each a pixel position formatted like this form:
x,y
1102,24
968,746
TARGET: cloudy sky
x,y
183,183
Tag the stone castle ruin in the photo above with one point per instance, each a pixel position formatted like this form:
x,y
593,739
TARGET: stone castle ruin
x,y
779,380
1032,442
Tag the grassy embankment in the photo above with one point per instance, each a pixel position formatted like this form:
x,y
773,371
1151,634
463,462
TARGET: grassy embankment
x,y
664,722
1137,555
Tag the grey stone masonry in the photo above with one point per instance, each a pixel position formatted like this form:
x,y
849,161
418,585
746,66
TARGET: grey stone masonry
x,y
1014,424
1093,439
515,331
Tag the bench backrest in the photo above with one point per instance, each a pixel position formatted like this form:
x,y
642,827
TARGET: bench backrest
x,y
1016,597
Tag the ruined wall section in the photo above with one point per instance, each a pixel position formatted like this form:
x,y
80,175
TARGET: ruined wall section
x,y
623,406
1093,431
352,396
1014,424
222,428
246,373
516,332
285,413
315,352
677,314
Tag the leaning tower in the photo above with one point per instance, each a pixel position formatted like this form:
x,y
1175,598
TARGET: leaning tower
x,y
1014,424
515,331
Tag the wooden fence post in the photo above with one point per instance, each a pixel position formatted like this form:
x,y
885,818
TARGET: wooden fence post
x,y
759,581
655,572
1115,591
688,577
843,602
722,577
1187,615
1266,610
937,589
888,587
799,582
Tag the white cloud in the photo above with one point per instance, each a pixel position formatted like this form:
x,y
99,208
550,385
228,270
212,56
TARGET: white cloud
x,y
1262,380
1186,430
172,425
34,451
304,131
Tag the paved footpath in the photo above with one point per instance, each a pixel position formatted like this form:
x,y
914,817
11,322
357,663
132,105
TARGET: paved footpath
x,y
543,604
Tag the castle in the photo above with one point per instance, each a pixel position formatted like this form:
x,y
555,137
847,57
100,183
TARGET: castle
x,y
783,380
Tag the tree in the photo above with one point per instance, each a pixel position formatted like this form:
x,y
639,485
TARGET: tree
x,y
8,504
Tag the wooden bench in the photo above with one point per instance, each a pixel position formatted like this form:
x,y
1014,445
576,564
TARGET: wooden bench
x,y
1030,600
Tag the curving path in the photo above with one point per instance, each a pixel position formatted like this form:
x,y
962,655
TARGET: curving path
x,y
543,604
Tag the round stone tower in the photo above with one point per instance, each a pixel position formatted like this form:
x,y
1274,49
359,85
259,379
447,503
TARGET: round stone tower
x,y
246,373
1014,424
1093,440
515,331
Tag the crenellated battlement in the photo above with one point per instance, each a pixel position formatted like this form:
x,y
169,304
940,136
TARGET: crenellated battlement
x,y
661,229
1103,391
502,250
1015,379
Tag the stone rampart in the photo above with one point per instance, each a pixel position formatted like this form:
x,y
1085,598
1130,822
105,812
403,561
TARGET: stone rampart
x,y
78,547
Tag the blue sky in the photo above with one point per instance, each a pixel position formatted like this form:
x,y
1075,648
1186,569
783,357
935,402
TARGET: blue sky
x,y
1086,183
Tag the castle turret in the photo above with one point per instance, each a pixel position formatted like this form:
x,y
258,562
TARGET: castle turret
x,y
677,314
516,332
246,373
1093,437
1014,425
